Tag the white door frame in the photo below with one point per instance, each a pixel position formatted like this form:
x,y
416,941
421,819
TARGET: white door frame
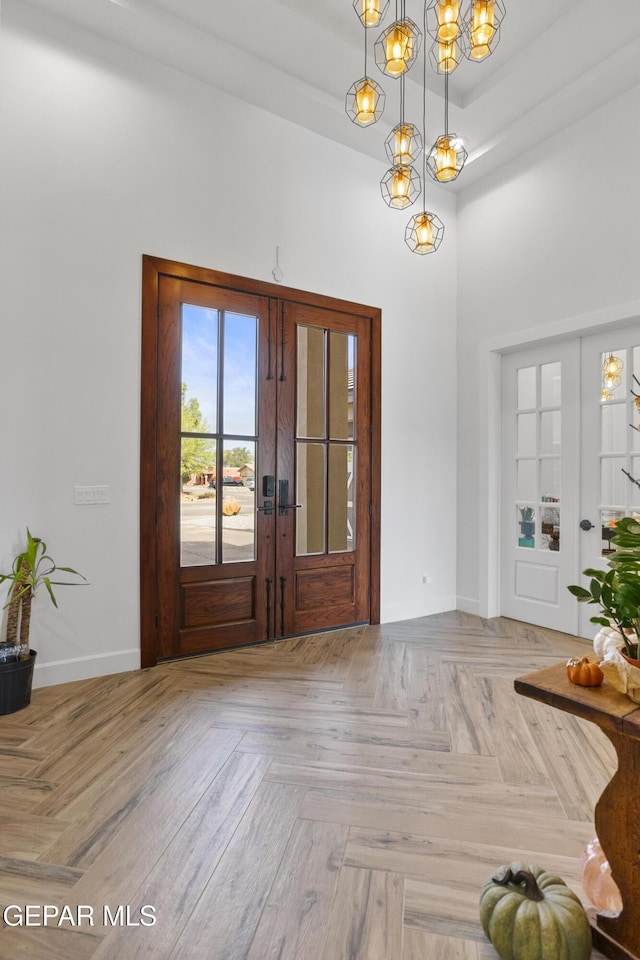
x,y
490,453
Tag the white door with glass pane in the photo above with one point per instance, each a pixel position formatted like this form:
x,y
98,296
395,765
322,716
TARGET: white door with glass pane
x,y
540,430
610,465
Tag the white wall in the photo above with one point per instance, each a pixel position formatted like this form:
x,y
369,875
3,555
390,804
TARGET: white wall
x,y
106,156
549,243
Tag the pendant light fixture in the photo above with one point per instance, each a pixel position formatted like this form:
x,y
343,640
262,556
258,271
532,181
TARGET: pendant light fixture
x,y
482,27
401,183
398,46
447,155
364,103
457,31
443,20
371,12
445,57
404,143
425,231
444,24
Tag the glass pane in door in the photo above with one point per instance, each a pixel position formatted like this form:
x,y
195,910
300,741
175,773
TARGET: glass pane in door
x,y
219,383
526,487
341,385
614,430
238,504
527,443
197,502
239,394
326,393
341,494
550,432
311,383
310,492
614,374
550,529
527,392
550,384
200,330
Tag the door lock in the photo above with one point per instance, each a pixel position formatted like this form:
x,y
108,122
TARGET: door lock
x,y
586,525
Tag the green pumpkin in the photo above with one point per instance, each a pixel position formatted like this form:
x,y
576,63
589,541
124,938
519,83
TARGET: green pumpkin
x,y
529,914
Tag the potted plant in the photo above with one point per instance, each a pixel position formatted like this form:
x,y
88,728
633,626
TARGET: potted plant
x,y
617,590
32,568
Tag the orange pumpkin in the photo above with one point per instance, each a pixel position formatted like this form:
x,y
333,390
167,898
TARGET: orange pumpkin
x,y
584,672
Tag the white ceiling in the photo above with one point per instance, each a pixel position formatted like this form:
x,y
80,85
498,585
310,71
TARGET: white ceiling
x,y
557,60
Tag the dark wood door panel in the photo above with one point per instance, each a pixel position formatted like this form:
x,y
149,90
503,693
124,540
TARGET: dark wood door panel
x,y
318,588
216,603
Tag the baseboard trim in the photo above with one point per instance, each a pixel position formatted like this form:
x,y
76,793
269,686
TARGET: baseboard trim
x,y
467,605
391,614
83,668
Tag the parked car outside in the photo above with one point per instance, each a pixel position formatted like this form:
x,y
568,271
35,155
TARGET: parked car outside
x,y
231,482
250,483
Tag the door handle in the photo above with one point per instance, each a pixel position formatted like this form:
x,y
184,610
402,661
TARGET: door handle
x,y
586,525
267,508
283,496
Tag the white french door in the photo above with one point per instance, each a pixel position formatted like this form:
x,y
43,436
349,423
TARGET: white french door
x,y
610,446
570,456
540,421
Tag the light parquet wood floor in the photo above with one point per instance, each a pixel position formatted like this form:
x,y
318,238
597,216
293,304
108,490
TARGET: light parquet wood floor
x,y
336,797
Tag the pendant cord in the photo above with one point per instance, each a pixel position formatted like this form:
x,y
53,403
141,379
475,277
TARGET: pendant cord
x,y
402,100
446,103
424,111
365,52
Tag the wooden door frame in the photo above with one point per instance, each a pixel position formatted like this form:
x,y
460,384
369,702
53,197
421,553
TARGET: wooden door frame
x,y
152,269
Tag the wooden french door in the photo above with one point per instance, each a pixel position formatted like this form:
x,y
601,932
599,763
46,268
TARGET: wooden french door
x,y
260,462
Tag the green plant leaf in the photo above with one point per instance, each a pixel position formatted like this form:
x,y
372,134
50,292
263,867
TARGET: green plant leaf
x,y
580,593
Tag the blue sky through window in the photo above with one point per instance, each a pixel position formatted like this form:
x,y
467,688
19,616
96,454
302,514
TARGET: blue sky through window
x,y
200,366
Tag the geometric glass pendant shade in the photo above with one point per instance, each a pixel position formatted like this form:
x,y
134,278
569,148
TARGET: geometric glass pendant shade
x,y
365,102
482,28
443,20
400,186
446,158
404,143
371,12
445,56
424,233
397,48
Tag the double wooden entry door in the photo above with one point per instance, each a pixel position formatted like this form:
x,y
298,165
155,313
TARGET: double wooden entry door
x,y
259,446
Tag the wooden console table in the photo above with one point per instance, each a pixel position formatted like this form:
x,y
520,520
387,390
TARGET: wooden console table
x,y
617,813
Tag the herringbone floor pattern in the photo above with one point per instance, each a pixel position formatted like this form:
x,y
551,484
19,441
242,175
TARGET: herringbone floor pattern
x,y
337,797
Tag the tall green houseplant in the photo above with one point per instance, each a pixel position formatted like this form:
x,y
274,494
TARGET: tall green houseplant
x,y
31,569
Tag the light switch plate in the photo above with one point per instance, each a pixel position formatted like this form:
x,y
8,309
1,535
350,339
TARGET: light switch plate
x,y
91,496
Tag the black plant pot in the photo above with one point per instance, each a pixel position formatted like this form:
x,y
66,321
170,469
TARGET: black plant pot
x,y
15,684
